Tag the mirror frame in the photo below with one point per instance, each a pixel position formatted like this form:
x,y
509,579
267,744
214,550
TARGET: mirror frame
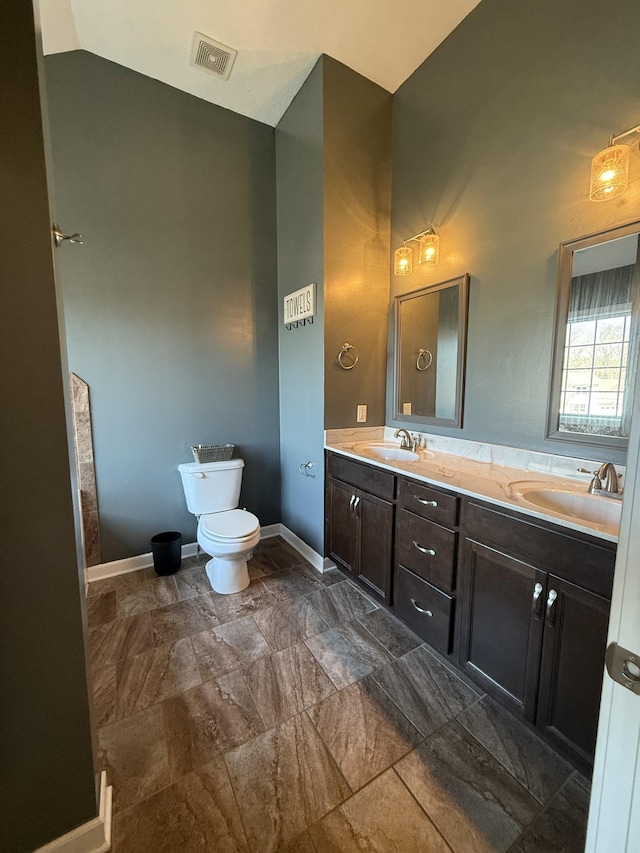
x,y
565,268
462,282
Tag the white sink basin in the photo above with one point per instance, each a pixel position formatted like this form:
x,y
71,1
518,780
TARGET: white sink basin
x,y
394,454
578,505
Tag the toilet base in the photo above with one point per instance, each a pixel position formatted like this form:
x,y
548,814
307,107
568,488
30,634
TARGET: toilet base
x,y
228,576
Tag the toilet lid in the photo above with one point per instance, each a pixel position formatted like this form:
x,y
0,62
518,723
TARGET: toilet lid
x,y
232,524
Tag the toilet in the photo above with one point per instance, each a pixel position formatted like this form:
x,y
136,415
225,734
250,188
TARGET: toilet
x,y
227,534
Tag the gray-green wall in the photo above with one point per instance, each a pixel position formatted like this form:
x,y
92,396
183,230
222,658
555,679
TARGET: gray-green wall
x,y
170,304
300,151
492,142
357,214
45,736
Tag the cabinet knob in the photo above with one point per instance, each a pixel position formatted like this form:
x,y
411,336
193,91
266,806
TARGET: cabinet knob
x,y
429,551
426,503
421,609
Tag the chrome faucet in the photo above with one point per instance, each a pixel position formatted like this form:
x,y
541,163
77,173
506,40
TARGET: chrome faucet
x,y
411,443
605,481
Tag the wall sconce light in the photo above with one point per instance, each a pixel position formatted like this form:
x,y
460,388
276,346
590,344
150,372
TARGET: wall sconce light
x,y
403,260
428,253
610,168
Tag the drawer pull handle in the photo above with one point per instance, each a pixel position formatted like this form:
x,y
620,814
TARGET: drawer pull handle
x,y
551,608
426,503
536,607
353,497
422,550
421,609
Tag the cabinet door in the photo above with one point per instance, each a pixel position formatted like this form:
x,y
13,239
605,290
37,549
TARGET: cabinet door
x,y
575,639
375,518
501,625
342,524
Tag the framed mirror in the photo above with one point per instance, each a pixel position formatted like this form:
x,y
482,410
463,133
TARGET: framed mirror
x,y
596,339
431,339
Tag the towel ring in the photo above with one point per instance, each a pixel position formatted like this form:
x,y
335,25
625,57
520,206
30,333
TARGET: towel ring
x,y
422,358
345,349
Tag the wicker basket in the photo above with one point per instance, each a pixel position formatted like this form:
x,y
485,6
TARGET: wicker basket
x,y
212,452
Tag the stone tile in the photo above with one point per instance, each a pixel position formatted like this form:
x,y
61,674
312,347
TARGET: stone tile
x,y
301,844
347,654
198,813
183,619
289,622
534,764
91,532
87,484
290,584
562,826
476,805
120,639
328,577
229,647
192,582
155,675
281,554
284,781
381,818
101,609
261,564
286,683
340,603
364,731
103,684
134,754
390,632
427,693
209,720
147,596
120,583
252,599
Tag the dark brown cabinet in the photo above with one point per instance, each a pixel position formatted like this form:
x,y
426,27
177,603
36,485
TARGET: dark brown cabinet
x,y
575,639
521,603
360,526
425,561
529,636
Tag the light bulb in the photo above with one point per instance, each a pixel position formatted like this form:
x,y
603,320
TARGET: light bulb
x,y
609,173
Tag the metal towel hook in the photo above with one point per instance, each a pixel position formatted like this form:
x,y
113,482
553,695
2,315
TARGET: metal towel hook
x,y
59,236
345,349
423,354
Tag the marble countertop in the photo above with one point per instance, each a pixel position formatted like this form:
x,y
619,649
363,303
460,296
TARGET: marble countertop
x,y
496,483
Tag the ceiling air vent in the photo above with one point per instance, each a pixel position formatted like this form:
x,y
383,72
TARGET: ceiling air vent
x,y
213,56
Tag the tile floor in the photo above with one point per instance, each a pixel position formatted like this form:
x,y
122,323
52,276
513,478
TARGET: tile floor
x,y
299,716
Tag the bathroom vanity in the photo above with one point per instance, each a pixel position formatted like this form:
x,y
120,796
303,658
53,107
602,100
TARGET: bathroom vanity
x,y
518,601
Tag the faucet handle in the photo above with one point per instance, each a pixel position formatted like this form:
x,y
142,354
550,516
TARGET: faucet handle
x,y
586,471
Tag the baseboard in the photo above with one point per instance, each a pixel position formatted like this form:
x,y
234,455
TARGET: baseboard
x,y
93,836
144,561
320,564
130,564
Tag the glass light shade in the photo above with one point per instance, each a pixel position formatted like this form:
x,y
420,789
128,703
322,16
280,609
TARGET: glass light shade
x,y
403,261
609,173
429,249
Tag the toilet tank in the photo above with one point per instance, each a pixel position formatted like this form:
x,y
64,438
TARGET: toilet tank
x,y
211,486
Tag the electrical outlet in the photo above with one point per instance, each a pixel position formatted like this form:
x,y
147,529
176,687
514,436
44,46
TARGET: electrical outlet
x,y
361,416
406,408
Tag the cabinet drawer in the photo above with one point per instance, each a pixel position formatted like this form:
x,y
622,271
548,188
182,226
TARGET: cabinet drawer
x,y
430,503
424,608
372,480
426,548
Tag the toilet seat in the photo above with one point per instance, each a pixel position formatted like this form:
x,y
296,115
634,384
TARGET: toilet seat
x,y
233,524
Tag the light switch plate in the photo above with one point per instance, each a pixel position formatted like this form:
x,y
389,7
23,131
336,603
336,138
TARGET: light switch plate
x,y
361,416
406,408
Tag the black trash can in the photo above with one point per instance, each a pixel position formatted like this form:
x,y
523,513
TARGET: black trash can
x,y
167,552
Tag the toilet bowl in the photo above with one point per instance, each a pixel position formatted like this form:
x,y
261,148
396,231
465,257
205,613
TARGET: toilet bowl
x,y
228,538
227,534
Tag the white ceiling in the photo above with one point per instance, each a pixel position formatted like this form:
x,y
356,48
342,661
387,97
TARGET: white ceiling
x,y
278,41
